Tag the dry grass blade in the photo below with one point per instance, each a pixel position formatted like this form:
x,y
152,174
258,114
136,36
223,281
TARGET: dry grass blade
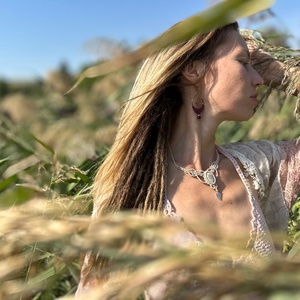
x,y
143,248
29,229
17,290
214,17
12,264
21,165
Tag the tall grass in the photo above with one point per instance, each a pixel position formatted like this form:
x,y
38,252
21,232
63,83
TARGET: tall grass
x,y
42,242
49,155
44,220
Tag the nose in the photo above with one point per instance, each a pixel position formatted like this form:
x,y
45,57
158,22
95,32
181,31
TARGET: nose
x,y
257,80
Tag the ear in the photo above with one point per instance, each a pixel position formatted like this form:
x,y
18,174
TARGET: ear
x,y
193,72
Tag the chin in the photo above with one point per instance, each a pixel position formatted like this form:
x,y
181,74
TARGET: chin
x,y
241,118
245,116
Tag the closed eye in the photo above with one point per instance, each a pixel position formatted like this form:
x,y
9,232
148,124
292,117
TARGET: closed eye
x,y
244,62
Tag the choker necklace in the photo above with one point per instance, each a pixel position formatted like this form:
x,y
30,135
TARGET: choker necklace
x,y
209,176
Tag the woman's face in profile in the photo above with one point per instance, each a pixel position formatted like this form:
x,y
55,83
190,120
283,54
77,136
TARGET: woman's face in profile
x,y
229,86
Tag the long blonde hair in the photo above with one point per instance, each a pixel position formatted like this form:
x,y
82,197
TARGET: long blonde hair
x,y
134,172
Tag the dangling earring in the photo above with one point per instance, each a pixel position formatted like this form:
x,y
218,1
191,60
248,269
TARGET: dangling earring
x,y
198,111
200,103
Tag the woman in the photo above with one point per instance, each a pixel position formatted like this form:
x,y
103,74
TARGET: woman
x,y
165,155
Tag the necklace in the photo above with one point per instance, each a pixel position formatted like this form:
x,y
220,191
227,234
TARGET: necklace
x,y
208,177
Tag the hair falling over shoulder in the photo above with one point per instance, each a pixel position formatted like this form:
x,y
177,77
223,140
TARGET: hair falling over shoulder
x,y
134,171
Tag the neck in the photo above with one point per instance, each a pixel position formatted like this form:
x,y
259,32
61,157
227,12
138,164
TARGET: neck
x,y
193,142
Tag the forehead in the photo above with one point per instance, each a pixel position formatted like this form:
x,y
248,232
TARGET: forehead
x,y
233,44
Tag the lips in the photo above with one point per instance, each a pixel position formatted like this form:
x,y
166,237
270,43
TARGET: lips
x,y
254,97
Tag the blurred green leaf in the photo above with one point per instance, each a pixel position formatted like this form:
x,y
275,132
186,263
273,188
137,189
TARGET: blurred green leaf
x,y
50,272
3,161
82,175
284,295
33,187
296,208
15,196
46,146
7,182
218,15
295,250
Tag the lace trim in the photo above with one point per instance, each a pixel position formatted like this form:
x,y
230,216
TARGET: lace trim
x,y
169,210
251,170
260,237
289,171
254,222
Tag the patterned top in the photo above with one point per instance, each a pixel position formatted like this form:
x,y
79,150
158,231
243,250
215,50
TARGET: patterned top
x,y
274,169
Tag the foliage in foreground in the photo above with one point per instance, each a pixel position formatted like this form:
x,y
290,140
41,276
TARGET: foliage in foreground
x,y
41,242
44,219
44,225
45,206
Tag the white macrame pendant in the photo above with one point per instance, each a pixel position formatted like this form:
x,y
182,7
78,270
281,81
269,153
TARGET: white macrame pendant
x,y
208,176
210,179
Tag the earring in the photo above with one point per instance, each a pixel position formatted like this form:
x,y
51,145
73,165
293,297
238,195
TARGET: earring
x,y
198,111
198,101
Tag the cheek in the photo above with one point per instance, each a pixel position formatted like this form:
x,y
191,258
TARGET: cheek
x,y
219,74
224,80
220,83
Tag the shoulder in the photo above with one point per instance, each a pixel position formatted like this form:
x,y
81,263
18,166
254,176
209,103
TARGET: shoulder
x,y
277,164
257,150
265,153
260,160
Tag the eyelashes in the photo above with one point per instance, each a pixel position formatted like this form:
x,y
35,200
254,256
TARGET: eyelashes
x,y
244,63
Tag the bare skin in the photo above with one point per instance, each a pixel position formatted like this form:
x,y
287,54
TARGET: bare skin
x,y
228,92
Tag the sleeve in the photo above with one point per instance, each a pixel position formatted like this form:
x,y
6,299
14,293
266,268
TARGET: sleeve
x,y
279,164
277,167
289,171
284,184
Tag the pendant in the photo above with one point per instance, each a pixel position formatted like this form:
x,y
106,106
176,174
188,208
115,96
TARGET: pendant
x,y
209,178
219,195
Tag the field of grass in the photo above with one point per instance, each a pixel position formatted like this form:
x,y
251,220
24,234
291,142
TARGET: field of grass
x,y
51,146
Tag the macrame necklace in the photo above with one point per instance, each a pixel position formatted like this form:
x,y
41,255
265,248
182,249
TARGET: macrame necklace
x,y
208,177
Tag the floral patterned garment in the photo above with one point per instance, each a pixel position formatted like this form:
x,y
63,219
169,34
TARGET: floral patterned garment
x,y
274,169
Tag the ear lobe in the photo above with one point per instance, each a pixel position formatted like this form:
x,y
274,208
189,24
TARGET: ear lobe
x,y
193,71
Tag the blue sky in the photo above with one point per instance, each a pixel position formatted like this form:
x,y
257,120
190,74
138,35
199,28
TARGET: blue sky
x,y
37,35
